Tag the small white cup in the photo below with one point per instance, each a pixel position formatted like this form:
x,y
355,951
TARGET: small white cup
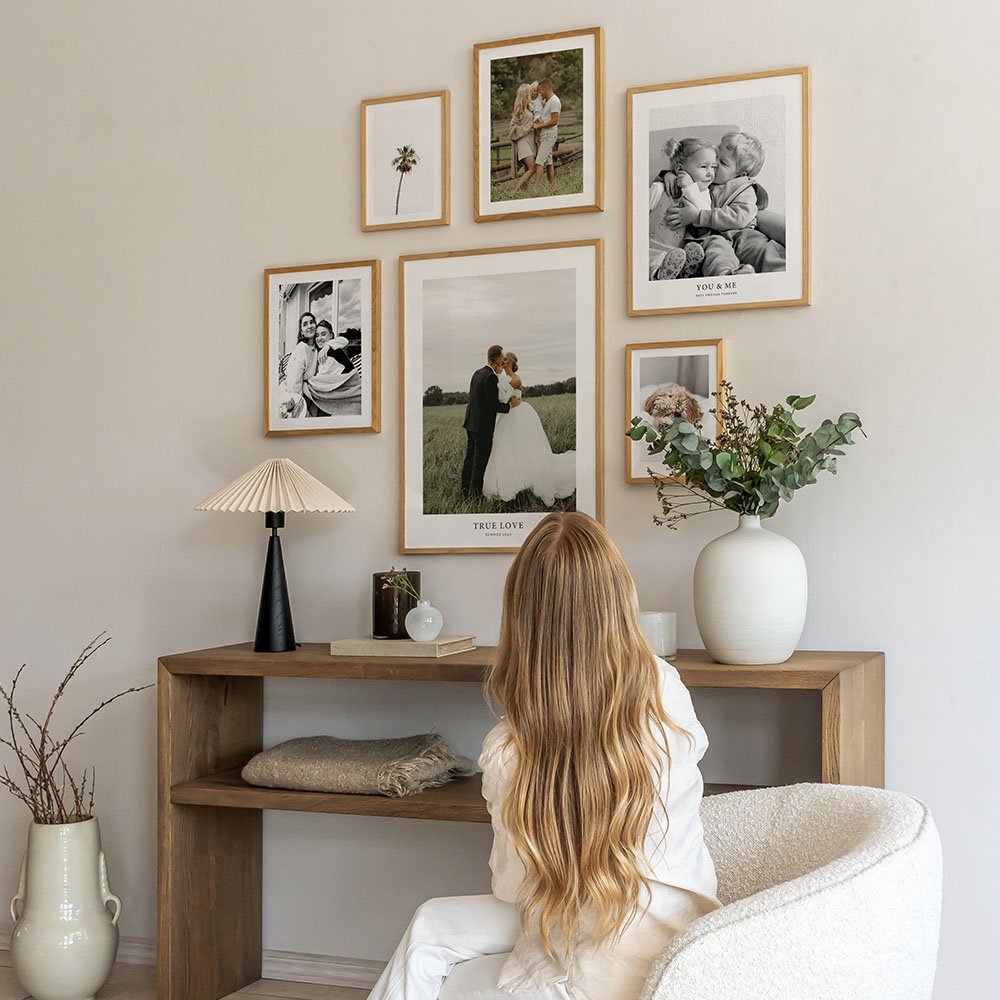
x,y
660,630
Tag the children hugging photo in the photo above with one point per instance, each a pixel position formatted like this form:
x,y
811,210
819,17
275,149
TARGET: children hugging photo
x,y
718,195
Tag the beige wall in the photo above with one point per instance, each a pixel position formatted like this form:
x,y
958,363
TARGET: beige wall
x,y
157,156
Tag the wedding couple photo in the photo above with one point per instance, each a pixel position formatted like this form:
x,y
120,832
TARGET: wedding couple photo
x,y
499,417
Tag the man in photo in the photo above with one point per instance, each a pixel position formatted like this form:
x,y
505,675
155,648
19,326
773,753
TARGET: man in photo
x,y
480,419
547,128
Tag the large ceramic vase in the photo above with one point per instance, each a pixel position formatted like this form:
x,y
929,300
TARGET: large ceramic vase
x,y
750,595
65,939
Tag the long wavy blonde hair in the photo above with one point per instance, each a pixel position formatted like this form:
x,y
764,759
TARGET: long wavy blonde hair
x,y
521,99
580,689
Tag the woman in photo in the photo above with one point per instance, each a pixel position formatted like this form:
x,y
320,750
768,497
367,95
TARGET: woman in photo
x,y
522,457
336,378
301,365
522,135
592,783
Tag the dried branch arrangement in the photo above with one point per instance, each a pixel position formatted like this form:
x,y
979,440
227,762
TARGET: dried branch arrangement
x,y
46,785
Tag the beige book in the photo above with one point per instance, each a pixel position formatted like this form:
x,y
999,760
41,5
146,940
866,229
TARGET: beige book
x,y
443,645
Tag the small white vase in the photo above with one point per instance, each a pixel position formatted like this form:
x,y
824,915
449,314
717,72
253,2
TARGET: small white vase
x,y
750,595
65,940
423,623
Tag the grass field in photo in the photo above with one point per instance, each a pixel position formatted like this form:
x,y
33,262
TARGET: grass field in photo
x,y
444,452
569,180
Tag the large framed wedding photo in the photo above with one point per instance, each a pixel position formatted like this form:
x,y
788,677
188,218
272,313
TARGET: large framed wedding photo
x,y
405,176
321,348
663,381
501,393
718,193
538,145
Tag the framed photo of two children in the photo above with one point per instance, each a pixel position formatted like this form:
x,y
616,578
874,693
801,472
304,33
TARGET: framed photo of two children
x,y
718,193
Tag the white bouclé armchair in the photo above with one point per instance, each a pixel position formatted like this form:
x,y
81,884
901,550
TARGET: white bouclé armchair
x,y
830,892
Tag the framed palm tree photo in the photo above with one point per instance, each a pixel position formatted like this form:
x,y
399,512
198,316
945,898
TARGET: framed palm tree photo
x,y
405,173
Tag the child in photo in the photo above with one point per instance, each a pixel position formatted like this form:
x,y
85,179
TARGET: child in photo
x,y
673,253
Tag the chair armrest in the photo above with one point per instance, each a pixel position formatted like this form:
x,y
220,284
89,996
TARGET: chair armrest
x,y
772,225
828,935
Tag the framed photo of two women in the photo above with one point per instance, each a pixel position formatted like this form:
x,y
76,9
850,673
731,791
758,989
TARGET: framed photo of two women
x,y
718,193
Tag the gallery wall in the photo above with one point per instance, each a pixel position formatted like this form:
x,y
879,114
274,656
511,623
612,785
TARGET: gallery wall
x,y
157,157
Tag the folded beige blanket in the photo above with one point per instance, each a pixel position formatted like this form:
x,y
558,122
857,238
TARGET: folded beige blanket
x,y
360,767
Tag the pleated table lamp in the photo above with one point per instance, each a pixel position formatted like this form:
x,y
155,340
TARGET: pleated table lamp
x,y
272,488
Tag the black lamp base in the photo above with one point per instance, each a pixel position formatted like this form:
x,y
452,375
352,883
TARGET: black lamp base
x,y
275,633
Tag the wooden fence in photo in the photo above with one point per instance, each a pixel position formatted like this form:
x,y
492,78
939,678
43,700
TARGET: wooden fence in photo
x,y
569,144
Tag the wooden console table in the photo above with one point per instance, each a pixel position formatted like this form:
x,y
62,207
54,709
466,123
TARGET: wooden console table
x,y
210,723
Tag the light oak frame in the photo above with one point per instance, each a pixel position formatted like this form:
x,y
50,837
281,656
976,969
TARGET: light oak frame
x,y
720,357
598,245
374,376
525,213
806,297
445,218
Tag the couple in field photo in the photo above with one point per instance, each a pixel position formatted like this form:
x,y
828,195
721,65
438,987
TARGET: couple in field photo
x,y
507,449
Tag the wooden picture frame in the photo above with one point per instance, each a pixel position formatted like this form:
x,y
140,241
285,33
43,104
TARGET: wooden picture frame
x,y
422,123
336,388
451,306
677,373
574,60
755,256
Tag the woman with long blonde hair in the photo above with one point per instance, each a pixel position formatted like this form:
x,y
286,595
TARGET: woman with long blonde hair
x,y
522,135
593,787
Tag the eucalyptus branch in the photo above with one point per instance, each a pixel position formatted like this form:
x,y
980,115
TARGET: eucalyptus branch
x,y
760,456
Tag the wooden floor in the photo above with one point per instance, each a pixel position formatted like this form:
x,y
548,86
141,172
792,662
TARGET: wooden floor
x,y
138,982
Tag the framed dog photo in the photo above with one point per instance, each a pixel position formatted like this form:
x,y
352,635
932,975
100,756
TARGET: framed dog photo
x,y
321,348
501,388
538,145
718,193
663,381
405,177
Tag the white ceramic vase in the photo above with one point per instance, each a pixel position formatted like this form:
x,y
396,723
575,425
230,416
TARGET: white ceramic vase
x,y
65,940
750,595
423,623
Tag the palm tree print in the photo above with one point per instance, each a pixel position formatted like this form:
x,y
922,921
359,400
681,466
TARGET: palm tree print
x,y
404,163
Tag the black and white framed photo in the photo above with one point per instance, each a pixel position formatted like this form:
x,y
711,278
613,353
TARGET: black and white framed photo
x,y
664,381
405,175
718,193
539,125
321,348
501,393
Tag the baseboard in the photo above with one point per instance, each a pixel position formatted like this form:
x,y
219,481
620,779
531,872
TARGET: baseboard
x,y
327,970
293,966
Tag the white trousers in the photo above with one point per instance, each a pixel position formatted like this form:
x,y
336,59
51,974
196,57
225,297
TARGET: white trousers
x,y
453,950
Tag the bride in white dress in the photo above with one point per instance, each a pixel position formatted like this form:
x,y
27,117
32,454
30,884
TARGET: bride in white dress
x,y
522,458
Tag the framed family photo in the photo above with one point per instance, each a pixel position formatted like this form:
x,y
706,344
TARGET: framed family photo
x,y
405,177
321,348
663,381
501,393
538,144
718,193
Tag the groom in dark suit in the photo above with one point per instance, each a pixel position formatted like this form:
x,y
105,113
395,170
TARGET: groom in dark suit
x,y
480,419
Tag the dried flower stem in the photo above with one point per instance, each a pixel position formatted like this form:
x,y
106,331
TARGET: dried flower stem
x,y
49,789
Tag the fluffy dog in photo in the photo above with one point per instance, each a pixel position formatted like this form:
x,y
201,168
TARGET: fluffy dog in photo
x,y
671,401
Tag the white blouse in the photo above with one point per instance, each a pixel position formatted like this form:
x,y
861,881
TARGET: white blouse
x,y
680,871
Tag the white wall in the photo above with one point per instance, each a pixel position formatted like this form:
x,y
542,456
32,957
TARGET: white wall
x,y
156,157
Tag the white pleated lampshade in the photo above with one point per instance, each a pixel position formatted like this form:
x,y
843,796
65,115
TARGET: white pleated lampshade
x,y
277,485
